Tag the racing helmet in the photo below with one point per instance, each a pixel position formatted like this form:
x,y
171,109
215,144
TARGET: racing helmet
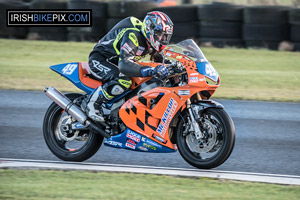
x,y
158,29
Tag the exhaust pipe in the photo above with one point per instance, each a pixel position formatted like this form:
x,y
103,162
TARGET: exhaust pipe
x,y
73,110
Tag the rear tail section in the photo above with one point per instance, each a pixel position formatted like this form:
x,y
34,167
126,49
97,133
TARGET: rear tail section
x,y
77,73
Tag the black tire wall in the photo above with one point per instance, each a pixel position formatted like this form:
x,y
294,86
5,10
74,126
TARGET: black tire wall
x,y
186,24
11,32
220,25
99,18
48,33
265,26
294,20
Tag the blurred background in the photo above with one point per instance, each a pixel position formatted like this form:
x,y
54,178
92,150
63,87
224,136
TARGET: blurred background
x,y
272,24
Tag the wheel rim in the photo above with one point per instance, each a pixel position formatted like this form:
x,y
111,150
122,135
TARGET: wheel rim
x,y
64,140
209,147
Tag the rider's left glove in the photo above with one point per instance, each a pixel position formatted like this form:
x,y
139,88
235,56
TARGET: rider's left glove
x,y
161,71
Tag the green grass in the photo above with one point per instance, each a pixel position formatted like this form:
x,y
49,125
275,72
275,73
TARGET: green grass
x,y
245,74
31,184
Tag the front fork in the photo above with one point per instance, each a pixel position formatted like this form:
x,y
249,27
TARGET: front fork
x,y
194,123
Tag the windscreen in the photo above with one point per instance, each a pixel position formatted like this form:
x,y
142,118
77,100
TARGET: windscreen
x,y
190,49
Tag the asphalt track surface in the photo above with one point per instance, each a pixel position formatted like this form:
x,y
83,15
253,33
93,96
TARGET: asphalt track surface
x,y
267,136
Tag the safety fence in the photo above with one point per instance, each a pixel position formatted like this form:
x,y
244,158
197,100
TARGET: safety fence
x,y
215,24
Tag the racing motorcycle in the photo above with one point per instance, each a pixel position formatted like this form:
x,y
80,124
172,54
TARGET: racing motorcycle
x,y
153,116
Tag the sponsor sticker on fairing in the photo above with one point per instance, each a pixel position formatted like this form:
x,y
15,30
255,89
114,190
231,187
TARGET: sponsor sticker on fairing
x,y
113,143
149,146
193,79
131,144
151,142
167,117
159,139
134,136
142,148
184,92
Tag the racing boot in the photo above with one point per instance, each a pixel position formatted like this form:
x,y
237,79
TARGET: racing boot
x,y
93,107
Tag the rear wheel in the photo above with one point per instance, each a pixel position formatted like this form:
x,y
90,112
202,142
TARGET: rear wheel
x,y
217,144
64,143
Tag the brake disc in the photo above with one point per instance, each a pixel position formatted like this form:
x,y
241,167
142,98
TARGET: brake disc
x,y
205,144
62,131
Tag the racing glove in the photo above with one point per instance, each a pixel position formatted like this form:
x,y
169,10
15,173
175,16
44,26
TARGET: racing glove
x,y
160,71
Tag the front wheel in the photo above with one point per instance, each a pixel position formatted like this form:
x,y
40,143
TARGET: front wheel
x,y
217,144
64,143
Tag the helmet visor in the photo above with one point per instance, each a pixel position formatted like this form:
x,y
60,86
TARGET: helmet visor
x,y
162,37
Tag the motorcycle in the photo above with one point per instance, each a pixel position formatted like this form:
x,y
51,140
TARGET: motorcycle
x,y
154,115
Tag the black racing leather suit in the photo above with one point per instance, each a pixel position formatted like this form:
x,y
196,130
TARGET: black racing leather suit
x,y
113,59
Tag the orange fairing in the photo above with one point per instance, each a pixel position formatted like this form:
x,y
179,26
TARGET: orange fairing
x,y
84,69
140,115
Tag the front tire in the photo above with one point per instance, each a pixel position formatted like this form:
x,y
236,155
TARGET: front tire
x,y
64,145
215,148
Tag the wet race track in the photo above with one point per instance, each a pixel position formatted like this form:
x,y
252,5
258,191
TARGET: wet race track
x,y
267,136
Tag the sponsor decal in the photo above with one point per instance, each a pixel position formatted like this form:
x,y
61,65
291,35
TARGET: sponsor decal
x,y
126,48
168,54
136,58
113,143
178,57
193,79
130,144
186,58
69,69
133,136
133,38
184,92
159,139
100,67
142,148
201,79
140,51
150,142
167,117
149,146
194,74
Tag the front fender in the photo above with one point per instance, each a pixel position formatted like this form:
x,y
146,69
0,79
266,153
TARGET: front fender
x,y
209,104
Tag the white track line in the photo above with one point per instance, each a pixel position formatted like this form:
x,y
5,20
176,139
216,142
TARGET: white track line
x,y
60,165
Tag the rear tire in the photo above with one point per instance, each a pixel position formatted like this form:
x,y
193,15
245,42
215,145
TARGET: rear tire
x,y
224,140
58,146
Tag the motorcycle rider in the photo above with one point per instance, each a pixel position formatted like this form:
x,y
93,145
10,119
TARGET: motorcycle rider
x,y
113,59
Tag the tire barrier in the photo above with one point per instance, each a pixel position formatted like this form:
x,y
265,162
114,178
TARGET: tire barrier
x,y
111,22
99,19
122,9
118,10
48,33
11,32
221,42
220,12
265,26
294,20
221,24
185,21
214,24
